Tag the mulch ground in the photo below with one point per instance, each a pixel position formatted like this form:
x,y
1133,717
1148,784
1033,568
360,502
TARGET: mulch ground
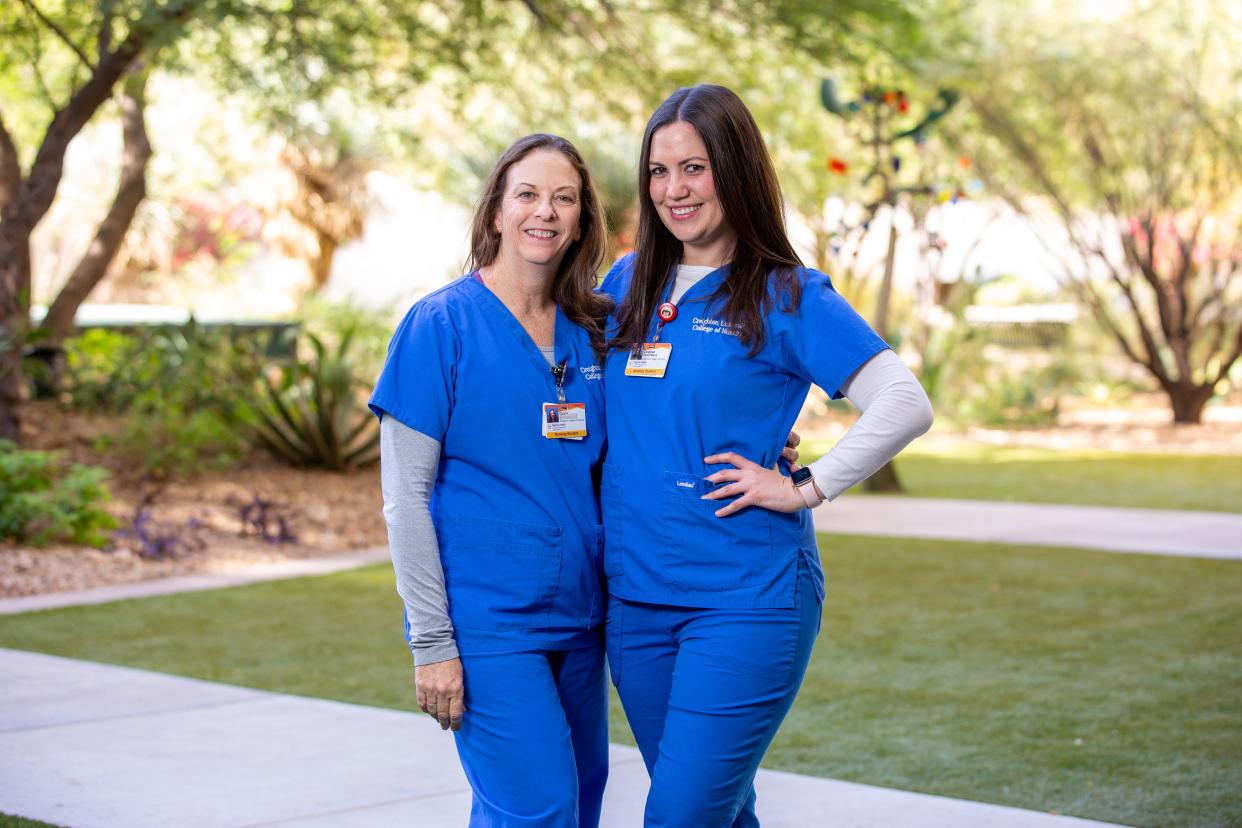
x,y
328,513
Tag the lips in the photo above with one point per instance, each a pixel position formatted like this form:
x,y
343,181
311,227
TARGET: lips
x,y
683,213
542,235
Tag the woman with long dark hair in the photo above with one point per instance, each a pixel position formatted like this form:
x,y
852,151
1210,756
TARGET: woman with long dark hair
x,y
713,571
492,429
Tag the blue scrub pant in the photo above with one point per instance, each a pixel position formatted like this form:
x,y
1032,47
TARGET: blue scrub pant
x,y
705,691
534,738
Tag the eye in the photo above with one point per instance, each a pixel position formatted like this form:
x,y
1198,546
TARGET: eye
x,y
656,172
695,169
525,195
566,198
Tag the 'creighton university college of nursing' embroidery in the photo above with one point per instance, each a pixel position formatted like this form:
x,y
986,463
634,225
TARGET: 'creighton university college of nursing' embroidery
x,y
591,372
717,326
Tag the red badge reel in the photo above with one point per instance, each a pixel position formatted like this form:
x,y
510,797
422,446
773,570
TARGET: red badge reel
x,y
667,312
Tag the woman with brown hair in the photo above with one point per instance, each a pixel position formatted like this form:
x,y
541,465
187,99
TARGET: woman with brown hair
x,y
713,572
492,430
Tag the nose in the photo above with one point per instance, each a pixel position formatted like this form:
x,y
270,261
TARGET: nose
x,y
545,209
677,187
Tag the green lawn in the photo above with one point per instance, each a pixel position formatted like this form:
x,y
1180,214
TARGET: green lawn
x,y
10,821
1096,478
1101,685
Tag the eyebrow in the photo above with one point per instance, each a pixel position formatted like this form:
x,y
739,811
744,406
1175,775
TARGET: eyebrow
x,y
535,187
682,161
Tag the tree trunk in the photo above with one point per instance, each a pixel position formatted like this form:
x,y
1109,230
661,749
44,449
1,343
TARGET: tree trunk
x,y
131,190
886,479
321,264
24,209
14,271
886,284
1188,400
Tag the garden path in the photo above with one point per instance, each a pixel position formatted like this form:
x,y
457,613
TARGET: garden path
x,y
1110,529
87,745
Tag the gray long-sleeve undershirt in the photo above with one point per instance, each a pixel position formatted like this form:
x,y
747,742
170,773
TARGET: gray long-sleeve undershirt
x,y
409,461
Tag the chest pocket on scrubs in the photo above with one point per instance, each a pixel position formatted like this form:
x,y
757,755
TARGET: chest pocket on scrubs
x,y
705,552
610,501
499,575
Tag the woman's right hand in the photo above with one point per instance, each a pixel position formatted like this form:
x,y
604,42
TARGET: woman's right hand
x,y
442,692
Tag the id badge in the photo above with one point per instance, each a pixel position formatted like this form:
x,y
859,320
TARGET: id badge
x,y
564,421
649,361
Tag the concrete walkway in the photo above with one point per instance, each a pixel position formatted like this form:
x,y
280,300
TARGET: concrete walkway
x,y
195,583
1150,531
88,745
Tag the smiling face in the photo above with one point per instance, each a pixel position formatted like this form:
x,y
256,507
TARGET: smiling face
x,y
538,216
684,194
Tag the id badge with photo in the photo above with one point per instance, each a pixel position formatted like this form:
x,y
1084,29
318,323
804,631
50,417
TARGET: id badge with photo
x,y
651,360
564,421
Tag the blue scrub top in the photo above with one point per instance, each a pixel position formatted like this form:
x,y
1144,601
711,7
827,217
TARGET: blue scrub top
x,y
663,544
516,514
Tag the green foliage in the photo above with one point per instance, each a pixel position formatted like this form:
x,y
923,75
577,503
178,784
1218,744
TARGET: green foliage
x,y
1009,394
175,390
331,321
312,412
974,381
41,502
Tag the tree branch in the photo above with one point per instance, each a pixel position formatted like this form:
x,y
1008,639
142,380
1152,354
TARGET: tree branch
x,y
1081,286
106,10
1155,361
1145,263
36,59
41,184
109,236
59,32
1215,291
533,7
1222,370
1183,276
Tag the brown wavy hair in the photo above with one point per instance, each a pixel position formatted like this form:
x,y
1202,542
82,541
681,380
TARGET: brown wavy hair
x,y
573,288
750,196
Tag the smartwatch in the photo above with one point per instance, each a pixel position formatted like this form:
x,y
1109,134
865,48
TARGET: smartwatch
x,y
804,482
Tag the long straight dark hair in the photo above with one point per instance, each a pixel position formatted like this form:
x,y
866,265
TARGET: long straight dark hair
x,y
750,196
573,288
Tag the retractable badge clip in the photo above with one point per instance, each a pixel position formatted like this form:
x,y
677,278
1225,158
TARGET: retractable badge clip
x,y
562,420
651,358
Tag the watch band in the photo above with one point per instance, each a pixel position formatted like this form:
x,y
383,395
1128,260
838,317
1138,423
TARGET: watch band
x,y
804,482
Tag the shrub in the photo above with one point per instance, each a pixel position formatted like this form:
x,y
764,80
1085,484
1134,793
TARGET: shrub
x,y
176,390
41,502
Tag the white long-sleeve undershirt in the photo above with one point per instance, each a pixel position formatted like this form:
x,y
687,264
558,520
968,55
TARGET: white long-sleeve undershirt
x,y
895,410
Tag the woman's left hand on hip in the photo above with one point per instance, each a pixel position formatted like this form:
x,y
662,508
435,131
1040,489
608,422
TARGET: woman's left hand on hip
x,y
752,485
